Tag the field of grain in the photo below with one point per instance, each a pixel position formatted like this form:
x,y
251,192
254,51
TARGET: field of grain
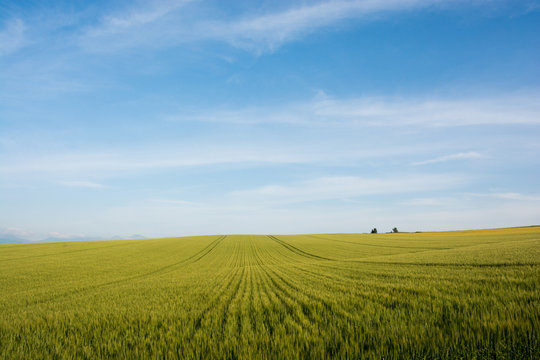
x,y
470,294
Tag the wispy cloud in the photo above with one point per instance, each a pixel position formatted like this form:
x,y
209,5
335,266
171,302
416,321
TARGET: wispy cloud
x,y
430,201
12,36
445,158
130,161
160,24
378,111
175,202
133,19
510,196
260,151
346,187
83,184
154,24
64,236
269,31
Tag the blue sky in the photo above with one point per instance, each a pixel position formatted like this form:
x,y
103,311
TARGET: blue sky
x,y
169,118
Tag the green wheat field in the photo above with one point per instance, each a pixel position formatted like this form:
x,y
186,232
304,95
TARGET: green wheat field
x,y
466,294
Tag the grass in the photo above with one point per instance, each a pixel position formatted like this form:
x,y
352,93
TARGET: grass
x,y
467,294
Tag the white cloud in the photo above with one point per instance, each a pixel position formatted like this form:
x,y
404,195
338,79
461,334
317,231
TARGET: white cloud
x,y
161,25
346,187
510,196
429,201
64,236
465,198
141,25
458,156
370,111
135,18
517,196
12,37
175,202
269,31
150,158
83,184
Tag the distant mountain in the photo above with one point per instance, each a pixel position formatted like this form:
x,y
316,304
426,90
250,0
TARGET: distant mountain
x,y
11,239
89,238
137,236
130,237
74,238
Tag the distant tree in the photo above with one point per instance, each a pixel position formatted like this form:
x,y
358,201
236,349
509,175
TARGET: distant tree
x,y
374,230
395,230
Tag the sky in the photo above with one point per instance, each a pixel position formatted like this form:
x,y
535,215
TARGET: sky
x,y
189,117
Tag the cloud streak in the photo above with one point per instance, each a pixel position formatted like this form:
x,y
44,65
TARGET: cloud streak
x,y
162,25
12,37
149,159
346,187
273,30
451,157
82,184
511,196
372,111
135,18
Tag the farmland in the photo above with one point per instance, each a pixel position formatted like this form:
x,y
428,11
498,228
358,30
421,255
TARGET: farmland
x,y
470,294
